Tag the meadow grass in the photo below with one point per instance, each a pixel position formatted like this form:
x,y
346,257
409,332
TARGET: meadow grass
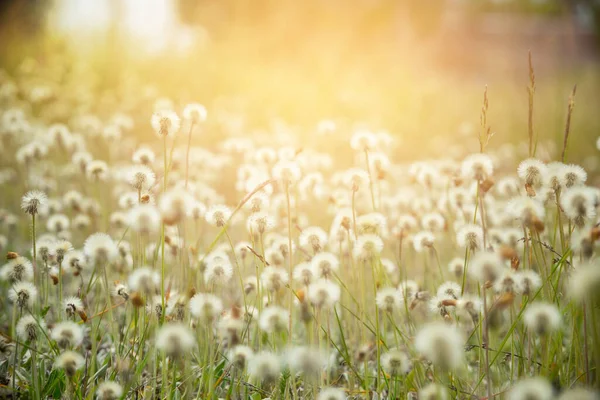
x,y
158,249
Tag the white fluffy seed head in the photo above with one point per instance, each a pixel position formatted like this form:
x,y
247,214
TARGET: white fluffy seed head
x,y
542,318
144,219
264,367
273,319
331,393
388,299
423,240
218,272
140,177
433,391
477,166
23,294
532,172
32,201
239,356
470,236
323,293
144,279
194,113
325,265
527,282
99,248
165,123
70,361
449,291
303,273
109,390
313,239
175,205
442,344
175,339
305,360
486,266
206,307
579,204
274,278
67,334
526,209
532,389
30,329
367,246
396,362
584,282
72,305
218,215
17,270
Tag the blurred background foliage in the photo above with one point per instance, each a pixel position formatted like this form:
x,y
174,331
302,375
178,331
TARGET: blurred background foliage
x,y
415,68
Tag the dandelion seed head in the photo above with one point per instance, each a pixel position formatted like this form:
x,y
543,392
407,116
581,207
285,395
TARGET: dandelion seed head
x,y
67,334
325,265
356,179
313,238
303,273
218,271
579,204
542,318
194,113
573,175
23,294
363,140
470,236
584,282
423,240
175,205
109,390
96,171
99,248
17,270
578,394
165,123
532,172
273,319
274,278
527,282
206,307
477,166
32,201
239,356
388,299
396,362
72,305
456,266
449,290
433,391
58,223
507,282
144,156
175,339
331,393
442,344
218,215
486,266
264,366
70,361
323,293
29,329
532,389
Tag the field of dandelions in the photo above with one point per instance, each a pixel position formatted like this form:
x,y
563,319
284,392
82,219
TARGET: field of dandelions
x,y
140,266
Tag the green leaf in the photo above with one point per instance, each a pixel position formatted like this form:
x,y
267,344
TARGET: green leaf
x,y
45,311
56,385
